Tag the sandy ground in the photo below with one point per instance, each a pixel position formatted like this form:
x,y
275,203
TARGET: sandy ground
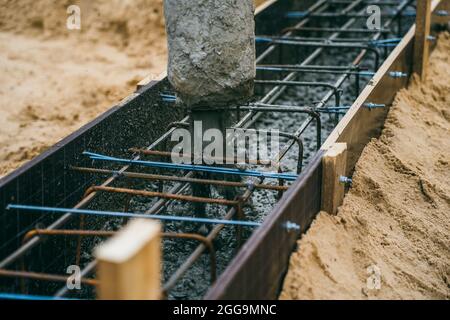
x,y
53,80
390,239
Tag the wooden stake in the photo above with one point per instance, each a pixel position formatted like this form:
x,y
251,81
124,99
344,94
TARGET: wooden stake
x,y
129,265
421,44
334,166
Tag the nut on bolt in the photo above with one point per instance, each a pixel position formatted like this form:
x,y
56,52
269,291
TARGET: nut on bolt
x,y
371,105
345,180
442,13
397,74
291,226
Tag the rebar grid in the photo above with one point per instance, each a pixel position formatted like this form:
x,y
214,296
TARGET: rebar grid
x,y
254,112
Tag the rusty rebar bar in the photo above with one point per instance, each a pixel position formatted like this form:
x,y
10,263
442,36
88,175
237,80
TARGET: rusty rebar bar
x,y
170,196
81,233
43,276
156,177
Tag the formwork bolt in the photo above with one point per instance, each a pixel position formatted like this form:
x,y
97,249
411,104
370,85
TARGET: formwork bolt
x,y
442,13
345,180
397,74
431,38
371,105
292,226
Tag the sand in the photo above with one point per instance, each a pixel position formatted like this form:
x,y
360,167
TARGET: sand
x,y
391,237
54,80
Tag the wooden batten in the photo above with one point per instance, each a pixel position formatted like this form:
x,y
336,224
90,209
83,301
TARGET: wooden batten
x,y
421,42
334,164
129,265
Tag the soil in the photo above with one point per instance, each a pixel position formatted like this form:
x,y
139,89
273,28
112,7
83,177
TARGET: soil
x,y
54,80
390,238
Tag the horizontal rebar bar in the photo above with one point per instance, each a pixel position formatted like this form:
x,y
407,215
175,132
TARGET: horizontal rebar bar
x,y
365,2
154,177
328,15
361,41
83,233
43,277
152,194
132,215
197,168
285,68
203,157
12,296
349,30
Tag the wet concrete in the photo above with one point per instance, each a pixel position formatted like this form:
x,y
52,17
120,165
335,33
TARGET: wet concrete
x,y
195,283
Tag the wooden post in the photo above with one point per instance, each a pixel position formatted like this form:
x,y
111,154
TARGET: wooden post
x,y
334,166
421,43
129,265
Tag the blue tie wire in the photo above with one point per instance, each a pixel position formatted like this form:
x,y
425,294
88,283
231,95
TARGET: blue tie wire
x,y
168,97
12,296
393,42
198,168
132,215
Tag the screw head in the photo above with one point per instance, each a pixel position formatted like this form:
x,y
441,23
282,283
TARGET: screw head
x,y
371,105
345,180
291,226
442,13
397,74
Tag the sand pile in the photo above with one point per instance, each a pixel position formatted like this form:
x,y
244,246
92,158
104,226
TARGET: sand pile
x,y
391,237
54,80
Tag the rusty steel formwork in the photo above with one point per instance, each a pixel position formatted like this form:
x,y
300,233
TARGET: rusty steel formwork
x,y
33,247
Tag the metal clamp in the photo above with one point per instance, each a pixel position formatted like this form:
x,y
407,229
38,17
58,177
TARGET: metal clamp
x,y
370,105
